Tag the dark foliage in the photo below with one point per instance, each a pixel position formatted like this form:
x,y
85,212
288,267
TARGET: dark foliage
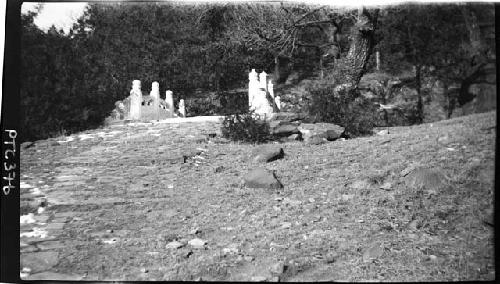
x,y
348,110
246,127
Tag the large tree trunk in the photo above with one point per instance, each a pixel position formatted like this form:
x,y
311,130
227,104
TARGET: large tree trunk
x,y
478,60
348,71
418,86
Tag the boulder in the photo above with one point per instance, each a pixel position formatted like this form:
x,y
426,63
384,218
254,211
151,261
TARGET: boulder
x,y
329,131
262,178
426,178
293,137
282,128
267,153
287,116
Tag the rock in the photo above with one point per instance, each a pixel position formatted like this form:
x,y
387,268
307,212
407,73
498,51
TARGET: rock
x,y
360,184
331,257
293,137
413,225
197,243
329,131
373,252
174,245
231,249
383,132
278,268
267,153
286,225
262,178
287,116
316,140
219,169
194,231
39,261
386,186
144,270
426,178
280,128
248,258
258,278
432,257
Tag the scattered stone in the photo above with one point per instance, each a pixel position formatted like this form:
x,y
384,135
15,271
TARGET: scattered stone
x,y
373,252
275,279
383,132
47,275
39,261
282,128
267,153
258,279
346,197
27,219
110,241
329,131
413,225
231,249
144,270
331,257
286,225
360,184
386,186
262,178
287,116
432,257
248,258
316,140
174,245
219,169
197,243
278,268
195,231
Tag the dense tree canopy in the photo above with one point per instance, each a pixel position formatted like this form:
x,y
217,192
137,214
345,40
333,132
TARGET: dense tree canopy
x,y
71,81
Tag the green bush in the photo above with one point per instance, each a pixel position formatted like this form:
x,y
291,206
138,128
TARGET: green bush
x,y
246,127
348,110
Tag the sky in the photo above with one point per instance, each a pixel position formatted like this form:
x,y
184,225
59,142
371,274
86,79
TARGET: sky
x,y
63,15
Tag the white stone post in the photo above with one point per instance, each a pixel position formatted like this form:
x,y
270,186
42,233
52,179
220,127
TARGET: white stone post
x,y
377,59
155,94
155,90
169,99
253,88
270,88
182,108
263,80
277,100
135,100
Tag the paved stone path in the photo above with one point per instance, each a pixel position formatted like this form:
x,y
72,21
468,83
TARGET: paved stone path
x,y
59,178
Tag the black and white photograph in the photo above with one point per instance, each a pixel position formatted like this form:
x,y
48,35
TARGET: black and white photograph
x,y
261,141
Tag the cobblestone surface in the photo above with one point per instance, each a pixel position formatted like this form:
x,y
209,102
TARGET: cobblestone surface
x,y
106,203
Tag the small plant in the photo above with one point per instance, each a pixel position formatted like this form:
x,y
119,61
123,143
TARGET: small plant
x,y
246,127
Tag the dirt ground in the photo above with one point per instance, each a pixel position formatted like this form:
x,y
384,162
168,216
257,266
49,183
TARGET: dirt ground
x,y
123,203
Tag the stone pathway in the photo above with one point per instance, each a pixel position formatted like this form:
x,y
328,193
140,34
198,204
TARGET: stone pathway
x,y
165,201
67,186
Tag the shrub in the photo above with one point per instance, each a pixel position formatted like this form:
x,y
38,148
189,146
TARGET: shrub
x,y
348,110
246,127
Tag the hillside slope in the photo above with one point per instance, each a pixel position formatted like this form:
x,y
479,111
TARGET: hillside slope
x,y
123,201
